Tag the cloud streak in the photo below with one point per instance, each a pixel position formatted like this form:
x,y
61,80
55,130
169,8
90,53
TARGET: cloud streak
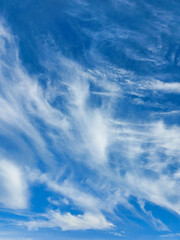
x,y
70,222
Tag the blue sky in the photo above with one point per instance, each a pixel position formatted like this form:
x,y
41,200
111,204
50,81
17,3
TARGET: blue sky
x,y
89,120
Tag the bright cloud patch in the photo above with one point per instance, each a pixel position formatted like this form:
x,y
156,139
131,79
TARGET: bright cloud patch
x,y
70,222
13,186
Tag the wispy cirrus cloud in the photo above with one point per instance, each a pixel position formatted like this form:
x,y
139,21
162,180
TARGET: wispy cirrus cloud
x,y
80,124
171,235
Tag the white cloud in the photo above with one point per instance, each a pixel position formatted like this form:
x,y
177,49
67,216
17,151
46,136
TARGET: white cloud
x,y
80,198
173,87
13,186
23,103
157,85
170,235
119,234
68,221
157,223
